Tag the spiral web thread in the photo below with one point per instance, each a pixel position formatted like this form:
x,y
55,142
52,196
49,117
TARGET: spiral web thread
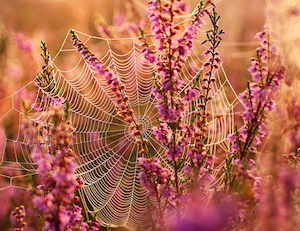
x,y
106,151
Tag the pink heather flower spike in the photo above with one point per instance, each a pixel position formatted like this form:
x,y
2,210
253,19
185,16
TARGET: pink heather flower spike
x,y
124,109
258,100
200,162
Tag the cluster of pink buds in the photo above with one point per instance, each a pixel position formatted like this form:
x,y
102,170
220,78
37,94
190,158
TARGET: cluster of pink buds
x,y
19,216
157,181
154,176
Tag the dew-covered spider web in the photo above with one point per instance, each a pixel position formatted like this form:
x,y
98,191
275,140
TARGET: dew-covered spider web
x,y
106,151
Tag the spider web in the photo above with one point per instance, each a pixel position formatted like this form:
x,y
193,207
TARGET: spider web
x,y
106,151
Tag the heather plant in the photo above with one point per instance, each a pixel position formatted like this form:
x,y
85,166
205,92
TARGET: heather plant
x,y
173,131
55,199
259,100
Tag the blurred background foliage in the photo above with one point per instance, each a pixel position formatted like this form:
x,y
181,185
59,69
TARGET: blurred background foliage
x,y
50,20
